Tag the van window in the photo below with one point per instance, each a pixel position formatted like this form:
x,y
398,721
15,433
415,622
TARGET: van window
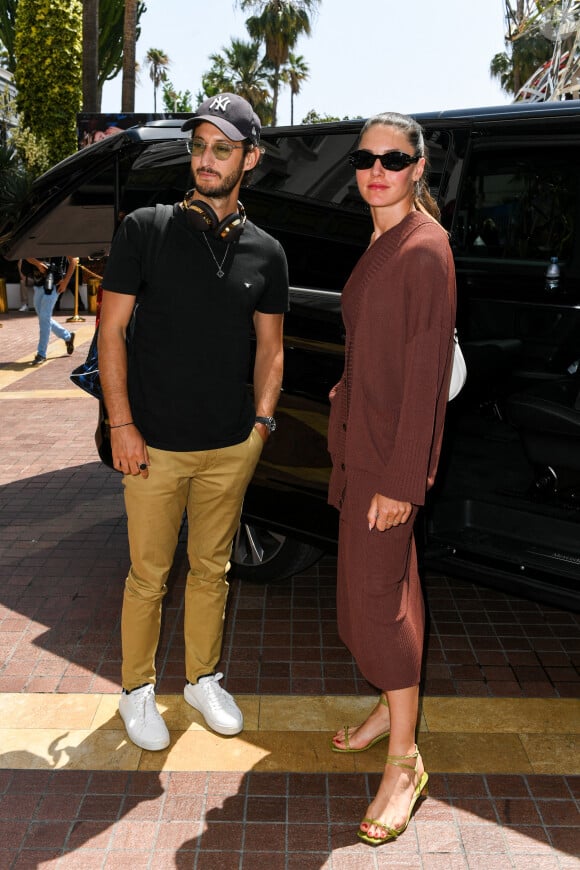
x,y
315,166
519,204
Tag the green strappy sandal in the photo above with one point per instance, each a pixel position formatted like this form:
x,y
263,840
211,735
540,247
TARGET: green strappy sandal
x,y
348,748
420,792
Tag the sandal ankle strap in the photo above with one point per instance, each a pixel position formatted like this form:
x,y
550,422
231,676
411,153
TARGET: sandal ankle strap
x,y
399,760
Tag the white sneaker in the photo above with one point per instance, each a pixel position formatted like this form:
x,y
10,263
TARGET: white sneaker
x,y
24,308
142,719
217,706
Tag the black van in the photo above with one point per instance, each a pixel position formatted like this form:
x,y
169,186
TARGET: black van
x,y
506,507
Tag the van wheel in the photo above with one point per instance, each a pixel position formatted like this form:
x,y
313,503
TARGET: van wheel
x,y
265,556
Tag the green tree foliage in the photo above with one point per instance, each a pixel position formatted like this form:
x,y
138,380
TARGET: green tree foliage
x,y
33,152
21,159
313,117
158,62
176,101
48,52
527,48
110,46
240,70
515,66
7,27
278,24
15,184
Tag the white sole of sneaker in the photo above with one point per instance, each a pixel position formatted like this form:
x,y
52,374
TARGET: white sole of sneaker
x,y
149,745
226,731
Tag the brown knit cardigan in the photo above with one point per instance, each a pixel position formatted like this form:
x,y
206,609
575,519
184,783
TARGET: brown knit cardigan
x,y
387,417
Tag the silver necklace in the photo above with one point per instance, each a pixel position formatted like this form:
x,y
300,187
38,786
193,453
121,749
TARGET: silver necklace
x,y
220,266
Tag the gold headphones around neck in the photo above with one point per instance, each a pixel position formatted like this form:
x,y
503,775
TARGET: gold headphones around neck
x,y
202,217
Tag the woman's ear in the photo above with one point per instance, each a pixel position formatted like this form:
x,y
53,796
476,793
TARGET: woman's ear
x,y
419,169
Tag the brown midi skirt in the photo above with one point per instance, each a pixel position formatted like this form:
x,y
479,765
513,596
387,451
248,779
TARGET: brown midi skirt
x,y
381,614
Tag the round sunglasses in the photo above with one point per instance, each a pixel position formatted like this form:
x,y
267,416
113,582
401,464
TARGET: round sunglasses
x,y
392,160
220,150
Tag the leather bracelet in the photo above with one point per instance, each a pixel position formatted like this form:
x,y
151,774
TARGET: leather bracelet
x,y
120,426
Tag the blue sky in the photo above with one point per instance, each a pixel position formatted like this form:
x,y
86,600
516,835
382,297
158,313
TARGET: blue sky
x,y
365,56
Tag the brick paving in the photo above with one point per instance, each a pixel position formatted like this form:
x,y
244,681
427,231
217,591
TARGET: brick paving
x,y
63,554
286,821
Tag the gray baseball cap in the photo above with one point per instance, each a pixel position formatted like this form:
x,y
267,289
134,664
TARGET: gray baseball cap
x,y
229,113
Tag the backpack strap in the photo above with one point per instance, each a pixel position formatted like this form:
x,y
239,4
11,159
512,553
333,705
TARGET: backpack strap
x,y
161,223
156,237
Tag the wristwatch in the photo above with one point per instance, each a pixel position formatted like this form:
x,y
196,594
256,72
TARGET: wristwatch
x,y
268,422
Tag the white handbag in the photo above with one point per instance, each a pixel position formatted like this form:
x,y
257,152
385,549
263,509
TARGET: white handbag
x,y
459,371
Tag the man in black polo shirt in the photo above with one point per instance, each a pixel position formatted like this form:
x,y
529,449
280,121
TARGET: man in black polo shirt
x,y
184,429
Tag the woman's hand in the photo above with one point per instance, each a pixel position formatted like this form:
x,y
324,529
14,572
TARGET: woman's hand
x,y
385,513
334,391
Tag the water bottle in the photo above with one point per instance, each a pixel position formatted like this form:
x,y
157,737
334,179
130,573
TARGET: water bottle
x,y
552,275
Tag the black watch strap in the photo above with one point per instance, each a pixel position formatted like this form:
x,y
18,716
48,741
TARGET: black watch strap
x,y
268,422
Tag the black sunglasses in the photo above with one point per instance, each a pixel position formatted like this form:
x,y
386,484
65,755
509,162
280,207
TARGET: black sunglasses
x,y
392,160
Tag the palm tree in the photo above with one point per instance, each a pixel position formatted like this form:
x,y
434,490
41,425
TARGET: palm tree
x,y
278,24
239,69
295,72
158,63
91,101
111,27
527,48
129,63
527,54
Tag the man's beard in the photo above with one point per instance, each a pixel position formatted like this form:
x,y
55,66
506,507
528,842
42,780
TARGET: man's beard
x,y
222,190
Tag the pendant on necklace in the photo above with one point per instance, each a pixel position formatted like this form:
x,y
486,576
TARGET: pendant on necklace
x,y
220,266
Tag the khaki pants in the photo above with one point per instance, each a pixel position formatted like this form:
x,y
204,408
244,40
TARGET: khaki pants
x,y
210,485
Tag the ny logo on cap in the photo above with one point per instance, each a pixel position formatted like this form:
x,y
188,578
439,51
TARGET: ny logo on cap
x,y
221,102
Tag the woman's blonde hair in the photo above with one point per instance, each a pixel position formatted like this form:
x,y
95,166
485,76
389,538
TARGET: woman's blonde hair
x,y
414,135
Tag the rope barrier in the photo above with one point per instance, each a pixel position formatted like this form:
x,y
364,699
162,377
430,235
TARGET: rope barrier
x,y
91,274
